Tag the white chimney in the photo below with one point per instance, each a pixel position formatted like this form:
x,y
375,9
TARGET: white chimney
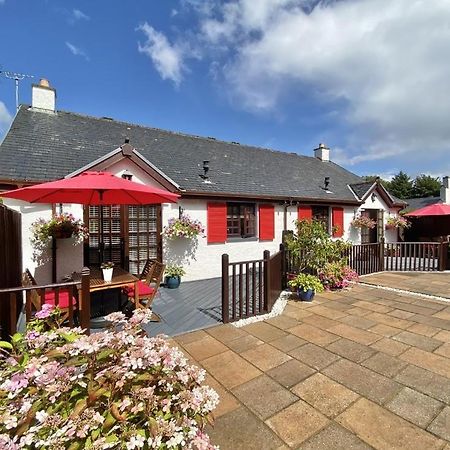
x,y
43,96
322,152
445,190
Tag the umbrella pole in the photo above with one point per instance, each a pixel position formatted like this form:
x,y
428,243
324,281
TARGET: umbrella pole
x,y
53,259
100,240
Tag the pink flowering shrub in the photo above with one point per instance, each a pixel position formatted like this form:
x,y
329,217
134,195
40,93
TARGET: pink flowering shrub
x,y
115,389
183,227
337,275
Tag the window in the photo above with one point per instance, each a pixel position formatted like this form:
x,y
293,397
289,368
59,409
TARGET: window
x,y
241,220
322,213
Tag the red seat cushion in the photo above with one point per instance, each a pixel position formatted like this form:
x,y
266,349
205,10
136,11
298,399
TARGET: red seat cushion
x,y
143,289
63,302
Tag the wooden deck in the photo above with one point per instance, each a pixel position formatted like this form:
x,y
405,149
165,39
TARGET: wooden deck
x,y
193,306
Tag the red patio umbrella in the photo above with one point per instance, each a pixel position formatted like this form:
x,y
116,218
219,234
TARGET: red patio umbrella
x,y
437,209
93,188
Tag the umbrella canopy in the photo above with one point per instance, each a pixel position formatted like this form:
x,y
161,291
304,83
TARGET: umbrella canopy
x,y
438,209
93,188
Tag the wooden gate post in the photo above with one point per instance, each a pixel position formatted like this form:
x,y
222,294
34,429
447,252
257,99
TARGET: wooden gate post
x,y
85,300
266,257
381,255
443,254
225,289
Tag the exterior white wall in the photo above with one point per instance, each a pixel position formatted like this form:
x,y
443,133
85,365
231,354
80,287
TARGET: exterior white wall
x,y
202,260
43,98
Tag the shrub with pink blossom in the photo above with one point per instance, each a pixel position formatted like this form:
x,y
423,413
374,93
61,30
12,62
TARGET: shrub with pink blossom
x,y
115,389
337,275
183,227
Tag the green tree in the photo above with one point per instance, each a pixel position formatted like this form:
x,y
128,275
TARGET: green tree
x,y
401,185
426,186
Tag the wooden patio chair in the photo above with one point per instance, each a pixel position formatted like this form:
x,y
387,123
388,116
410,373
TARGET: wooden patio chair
x,y
148,285
48,296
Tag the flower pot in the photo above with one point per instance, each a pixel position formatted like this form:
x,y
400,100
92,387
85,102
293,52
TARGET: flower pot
x,y
305,296
173,282
107,274
62,234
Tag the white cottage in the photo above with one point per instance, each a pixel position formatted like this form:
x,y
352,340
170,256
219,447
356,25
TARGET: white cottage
x,y
244,196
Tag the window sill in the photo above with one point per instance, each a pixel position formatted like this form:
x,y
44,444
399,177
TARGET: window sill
x,y
242,239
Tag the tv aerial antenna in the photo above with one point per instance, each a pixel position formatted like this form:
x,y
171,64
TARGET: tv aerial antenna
x,y
17,77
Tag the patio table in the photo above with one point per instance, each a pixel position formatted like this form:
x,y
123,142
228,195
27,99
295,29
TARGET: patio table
x,y
120,278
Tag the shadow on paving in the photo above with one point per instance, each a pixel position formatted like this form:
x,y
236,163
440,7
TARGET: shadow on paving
x,y
194,305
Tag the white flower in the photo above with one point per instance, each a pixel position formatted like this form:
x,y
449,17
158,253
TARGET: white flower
x,y
136,441
41,416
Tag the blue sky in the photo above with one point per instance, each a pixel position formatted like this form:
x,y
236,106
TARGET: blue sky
x,y
370,78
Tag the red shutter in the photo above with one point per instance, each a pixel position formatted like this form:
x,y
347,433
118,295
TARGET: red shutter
x,y
338,221
217,223
266,222
304,212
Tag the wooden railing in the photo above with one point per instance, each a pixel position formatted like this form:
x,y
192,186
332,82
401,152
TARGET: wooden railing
x,y
250,288
76,315
394,257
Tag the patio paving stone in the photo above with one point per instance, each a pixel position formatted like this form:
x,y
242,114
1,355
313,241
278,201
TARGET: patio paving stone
x,y
187,338
265,357
384,364
390,347
430,361
417,340
230,369
357,311
283,322
390,321
242,430
297,423
427,382
355,334
320,321
329,397
227,401
351,350
244,343
365,382
264,331
358,322
424,330
334,437
443,336
415,407
327,312
290,373
441,425
226,333
400,314
385,430
372,306
254,395
314,356
204,348
384,330
313,334
287,343
444,350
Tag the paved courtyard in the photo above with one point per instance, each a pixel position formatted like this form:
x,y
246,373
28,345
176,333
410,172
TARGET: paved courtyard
x,y
365,368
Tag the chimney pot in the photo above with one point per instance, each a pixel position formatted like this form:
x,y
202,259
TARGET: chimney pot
x,y
43,96
322,152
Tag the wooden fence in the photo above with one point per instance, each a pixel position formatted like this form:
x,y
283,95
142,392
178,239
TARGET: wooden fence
x,y
250,288
393,257
10,262
76,315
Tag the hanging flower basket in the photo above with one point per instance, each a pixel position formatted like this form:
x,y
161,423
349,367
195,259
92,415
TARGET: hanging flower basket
x,y
184,227
363,222
61,226
397,222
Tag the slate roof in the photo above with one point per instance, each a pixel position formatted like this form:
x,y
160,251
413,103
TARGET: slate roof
x,y
44,146
361,189
421,202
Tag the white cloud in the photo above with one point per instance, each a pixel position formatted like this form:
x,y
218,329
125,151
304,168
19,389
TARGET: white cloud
x,y
382,65
167,58
79,15
5,118
77,51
